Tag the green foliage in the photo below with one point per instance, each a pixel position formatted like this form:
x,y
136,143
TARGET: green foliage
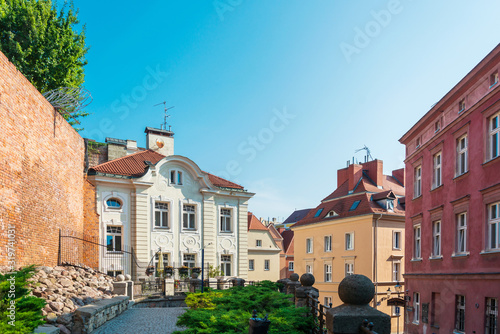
x,y
228,311
213,272
42,43
28,309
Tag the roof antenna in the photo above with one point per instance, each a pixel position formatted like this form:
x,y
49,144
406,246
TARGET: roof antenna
x,y
164,125
368,156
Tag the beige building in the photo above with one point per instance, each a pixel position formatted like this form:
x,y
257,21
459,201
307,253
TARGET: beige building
x,y
153,200
263,252
358,229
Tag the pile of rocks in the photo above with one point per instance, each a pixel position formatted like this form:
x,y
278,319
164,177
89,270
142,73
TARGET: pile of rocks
x,y
66,288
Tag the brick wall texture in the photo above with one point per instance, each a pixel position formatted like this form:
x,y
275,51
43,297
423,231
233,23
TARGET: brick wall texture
x,y
41,171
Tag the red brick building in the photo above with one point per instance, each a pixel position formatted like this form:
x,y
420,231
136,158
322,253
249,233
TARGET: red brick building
x,y
453,207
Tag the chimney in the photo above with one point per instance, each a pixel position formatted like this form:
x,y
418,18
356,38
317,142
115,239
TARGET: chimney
x,y
161,141
375,171
399,175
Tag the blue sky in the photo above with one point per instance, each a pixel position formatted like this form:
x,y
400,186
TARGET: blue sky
x,y
278,95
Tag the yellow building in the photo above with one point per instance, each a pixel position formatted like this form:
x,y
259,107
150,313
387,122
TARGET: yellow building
x,y
263,252
358,229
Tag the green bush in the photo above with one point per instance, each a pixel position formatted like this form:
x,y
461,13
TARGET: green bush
x,y
228,311
28,309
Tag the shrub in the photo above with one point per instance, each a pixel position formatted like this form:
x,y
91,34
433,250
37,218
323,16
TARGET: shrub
x,y
28,309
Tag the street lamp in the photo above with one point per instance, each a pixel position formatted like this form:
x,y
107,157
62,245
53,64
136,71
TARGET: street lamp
x,y
388,293
398,290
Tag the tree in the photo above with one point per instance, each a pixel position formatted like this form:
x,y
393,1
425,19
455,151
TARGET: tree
x,y
43,43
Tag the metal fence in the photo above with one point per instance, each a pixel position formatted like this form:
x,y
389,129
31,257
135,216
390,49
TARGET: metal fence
x,y
318,312
84,250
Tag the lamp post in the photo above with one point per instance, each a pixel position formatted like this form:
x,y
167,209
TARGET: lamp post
x,y
398,290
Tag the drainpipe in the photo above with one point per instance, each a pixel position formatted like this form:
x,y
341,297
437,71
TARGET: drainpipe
x,y
375,272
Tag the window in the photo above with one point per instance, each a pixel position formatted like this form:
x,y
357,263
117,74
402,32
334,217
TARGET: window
x,y
349,241
436,238
266,264
460,314
258,243
176,177
461,233
328,272
188,217
308,269
396,272
349,268
354,205
114,203
225,265
494,133
494,226
318,213
436,170
418,142
418,182
161,214
332,213
309,245
462,155
416,242
114,273
416,307
290,266
251,264
493,79
491,316
437,126
114,238
165,259
396,240
435,303
328,243
225,220
189,260
328,301
461,105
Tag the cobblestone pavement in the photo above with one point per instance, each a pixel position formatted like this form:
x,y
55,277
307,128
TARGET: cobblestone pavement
x,y
143,321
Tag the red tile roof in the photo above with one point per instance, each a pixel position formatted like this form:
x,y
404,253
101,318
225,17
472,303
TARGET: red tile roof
x,y
389,183
254,223
288,241
134,165
274,232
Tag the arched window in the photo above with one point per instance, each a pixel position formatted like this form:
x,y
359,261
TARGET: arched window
x,y
114,203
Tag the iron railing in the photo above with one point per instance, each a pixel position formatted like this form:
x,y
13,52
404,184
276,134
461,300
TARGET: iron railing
x,y
318,313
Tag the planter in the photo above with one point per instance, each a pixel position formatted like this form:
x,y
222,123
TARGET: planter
x,y
183,271
169,271
196,270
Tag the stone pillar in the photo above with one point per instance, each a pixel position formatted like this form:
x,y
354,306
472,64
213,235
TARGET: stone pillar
x,y
293,283
169,286
283,282
130,286
301,293
356,291
120,286
194,282
238,282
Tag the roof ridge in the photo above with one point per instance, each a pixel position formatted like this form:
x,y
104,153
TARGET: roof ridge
x,y
127,156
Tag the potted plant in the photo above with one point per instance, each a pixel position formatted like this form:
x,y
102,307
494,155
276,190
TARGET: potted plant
x,y
196,270
169,270
183,271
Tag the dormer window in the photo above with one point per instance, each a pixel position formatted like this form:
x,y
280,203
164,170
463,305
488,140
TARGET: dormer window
x,y
176,177
332,213
114,203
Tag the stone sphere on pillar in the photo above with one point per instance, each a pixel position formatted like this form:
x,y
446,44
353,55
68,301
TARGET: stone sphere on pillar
x,y
356,290
307,279
294,277
120,278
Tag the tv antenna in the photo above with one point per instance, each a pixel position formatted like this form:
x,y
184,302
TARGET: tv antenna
x,y
368,155
164,125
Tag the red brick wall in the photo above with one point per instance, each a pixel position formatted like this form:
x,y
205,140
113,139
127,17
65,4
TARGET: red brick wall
x,y
41,171
91,225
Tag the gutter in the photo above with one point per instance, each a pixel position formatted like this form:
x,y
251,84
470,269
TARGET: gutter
x,y
375,271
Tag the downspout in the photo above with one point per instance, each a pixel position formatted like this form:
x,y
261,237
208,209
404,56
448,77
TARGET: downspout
x,y
375,271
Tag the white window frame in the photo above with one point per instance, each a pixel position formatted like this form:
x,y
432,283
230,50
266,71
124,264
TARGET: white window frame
x,y
416,308
491,313
113,235
436,238
328,272
349,241
493,235
309,245
461,105
348,268
494,136
309,269
267,265
396,240
328,243
225,263
163,213
226,220
188,214
176,177
290,266
417,242
437,162
328,301
462,155
191,261
461,236
460,314
251,264
418,181
258,243
396,271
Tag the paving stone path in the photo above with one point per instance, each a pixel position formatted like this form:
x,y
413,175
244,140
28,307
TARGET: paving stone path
x,y
143,320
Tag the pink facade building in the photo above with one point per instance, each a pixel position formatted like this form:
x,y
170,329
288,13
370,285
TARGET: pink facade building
x,y
452,234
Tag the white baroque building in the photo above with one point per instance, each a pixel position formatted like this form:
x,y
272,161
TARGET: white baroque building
x,y
153,200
